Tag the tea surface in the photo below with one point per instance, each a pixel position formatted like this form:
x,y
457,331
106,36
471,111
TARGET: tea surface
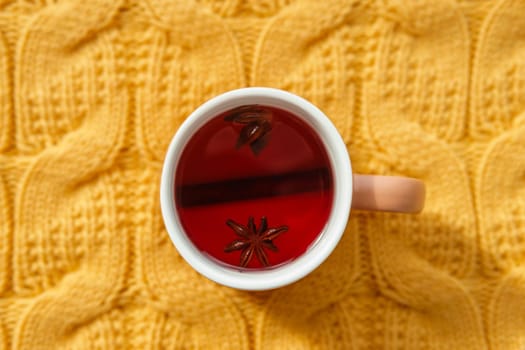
x,y
246,165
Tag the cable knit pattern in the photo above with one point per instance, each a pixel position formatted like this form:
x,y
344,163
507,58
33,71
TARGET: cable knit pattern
x,y
91,93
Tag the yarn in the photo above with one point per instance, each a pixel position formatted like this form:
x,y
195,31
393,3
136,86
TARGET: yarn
x,y
91,93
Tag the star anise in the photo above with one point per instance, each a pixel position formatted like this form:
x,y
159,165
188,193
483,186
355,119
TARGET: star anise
x,y
254,240
257,124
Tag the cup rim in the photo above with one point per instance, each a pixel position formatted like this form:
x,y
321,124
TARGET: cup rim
x,y
342,181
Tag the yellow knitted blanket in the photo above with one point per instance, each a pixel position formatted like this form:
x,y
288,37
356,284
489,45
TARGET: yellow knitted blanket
x,y
91,92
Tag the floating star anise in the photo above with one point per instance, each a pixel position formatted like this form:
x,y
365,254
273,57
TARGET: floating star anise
x,y
254,240
257,124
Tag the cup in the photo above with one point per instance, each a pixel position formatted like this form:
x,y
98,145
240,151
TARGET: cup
x,y
266,148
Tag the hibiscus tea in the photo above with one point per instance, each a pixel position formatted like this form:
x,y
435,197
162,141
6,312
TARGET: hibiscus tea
x,y
254,187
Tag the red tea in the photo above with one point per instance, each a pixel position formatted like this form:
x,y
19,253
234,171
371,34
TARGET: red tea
x,y
253,187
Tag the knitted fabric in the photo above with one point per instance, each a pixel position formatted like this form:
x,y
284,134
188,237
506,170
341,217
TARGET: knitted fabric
x,y
91,93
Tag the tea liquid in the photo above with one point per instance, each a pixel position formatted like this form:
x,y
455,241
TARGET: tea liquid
x,y
274,166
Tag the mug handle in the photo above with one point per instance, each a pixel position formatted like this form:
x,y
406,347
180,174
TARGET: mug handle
x,y
388,193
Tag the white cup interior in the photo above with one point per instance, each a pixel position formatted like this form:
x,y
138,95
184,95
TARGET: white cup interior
x,y
289,272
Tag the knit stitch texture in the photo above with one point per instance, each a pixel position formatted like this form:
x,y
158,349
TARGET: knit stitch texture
x,y
91,93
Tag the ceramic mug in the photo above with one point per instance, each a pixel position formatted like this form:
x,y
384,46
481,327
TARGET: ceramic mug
x,y
254,125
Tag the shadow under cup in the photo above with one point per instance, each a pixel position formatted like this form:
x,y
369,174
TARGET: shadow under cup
x,y
254,188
